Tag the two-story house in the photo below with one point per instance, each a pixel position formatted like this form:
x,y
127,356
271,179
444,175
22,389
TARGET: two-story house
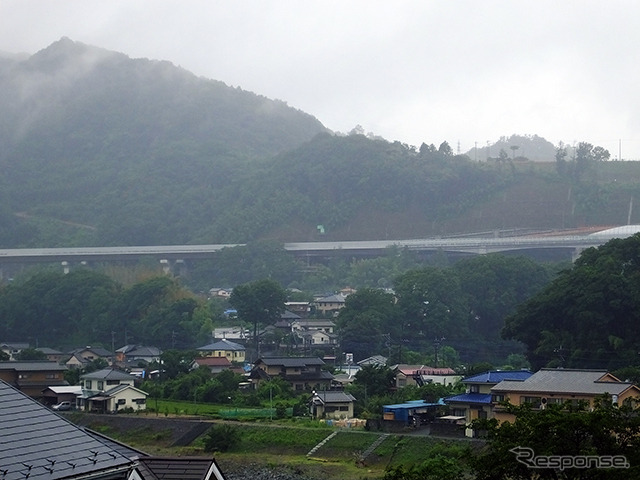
x,y
235,352
557,386
32,377
109,390
423,374
330,305
133,354
476,402
80,357
303,373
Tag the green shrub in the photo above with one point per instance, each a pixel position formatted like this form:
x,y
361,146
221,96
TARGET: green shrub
x,y
221,438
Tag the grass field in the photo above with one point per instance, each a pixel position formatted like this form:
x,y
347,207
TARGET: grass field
x,y
287,442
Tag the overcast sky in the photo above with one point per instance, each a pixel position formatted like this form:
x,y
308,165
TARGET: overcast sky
x,y
467,71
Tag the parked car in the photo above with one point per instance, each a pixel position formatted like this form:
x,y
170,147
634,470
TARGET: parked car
x,y
62,406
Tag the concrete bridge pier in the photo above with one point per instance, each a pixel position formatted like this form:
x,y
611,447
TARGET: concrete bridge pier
x,y
576,253
179,267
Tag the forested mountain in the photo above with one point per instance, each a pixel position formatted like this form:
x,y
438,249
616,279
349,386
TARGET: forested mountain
x,y
136,150
97,148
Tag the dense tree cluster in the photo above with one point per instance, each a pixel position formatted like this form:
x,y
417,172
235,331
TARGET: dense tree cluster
x,y
588,316
561,433
84,307
464,304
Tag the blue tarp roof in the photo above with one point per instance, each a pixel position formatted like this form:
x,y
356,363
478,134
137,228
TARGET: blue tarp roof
x,y
496,376
484,398
414,404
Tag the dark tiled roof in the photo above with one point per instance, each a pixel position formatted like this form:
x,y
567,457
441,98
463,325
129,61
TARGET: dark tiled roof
x,y
566,381
101,352
223,344
32,366
39,444
108,374
291,361
179,468
334,397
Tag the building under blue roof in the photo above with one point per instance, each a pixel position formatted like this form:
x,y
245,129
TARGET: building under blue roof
x,y
404,412
496,376
470,398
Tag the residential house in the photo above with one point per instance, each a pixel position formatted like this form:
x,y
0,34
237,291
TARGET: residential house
x,y
76,361
308,325
225,348
109,390
65,393
224,293
136,354
476,402
32,377
330,305
314,334
302,309
230,333
89,354
375,360
551,386
413,413
38,444
214,364
303,373
13,348
332,404
422,374
52,354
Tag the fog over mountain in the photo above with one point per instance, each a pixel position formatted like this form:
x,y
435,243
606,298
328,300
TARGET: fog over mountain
x,y
102,149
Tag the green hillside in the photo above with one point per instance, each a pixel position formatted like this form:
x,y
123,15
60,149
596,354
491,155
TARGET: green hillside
x,y
101,149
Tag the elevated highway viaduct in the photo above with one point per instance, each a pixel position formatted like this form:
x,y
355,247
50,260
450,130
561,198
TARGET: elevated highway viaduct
x,y
170,255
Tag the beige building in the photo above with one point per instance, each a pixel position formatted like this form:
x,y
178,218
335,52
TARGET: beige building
x,y
557,386
234,352
332,404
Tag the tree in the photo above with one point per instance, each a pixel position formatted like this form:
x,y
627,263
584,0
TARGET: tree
x,y
588,316
445,149
567,431
31,354
561,159
495,285
367,310
373,381
431,305
503,156
259,302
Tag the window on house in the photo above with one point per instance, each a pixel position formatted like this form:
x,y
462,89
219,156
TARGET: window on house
x,y
533,401
122,401
51,376
474,388
113,382
100,385
87,384
497,398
